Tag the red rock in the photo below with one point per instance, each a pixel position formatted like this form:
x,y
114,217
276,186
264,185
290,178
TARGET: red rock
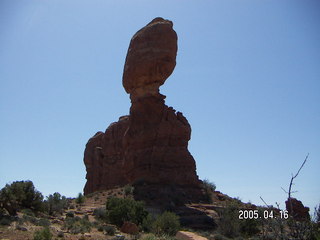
x,y
130,228
151,58
103,158
297,210
151,144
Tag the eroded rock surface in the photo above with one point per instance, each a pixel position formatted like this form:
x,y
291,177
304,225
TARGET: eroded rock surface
x,y
150,145
297,210
151,58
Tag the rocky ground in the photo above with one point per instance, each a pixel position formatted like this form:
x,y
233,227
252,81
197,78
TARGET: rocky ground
x,y
196,215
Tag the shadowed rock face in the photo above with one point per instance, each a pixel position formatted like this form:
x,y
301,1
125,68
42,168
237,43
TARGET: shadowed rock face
x,y
297,210
149,145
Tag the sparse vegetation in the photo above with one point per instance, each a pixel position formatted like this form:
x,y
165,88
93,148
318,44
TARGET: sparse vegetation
x,y
118,210
229,224
70,214
109,230
128,190
209,188
43,234
55,204
149,236
6,220
77,225
80,199
209,185
100,214
147,223
167,223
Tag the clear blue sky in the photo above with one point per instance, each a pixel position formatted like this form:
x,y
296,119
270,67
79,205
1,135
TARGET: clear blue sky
x,y
247,79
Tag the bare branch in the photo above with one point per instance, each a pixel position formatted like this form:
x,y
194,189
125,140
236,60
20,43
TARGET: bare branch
x,y
294,176
284,190
264,202
302,165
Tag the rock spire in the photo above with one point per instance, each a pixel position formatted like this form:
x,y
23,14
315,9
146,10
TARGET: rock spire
x,y
150,146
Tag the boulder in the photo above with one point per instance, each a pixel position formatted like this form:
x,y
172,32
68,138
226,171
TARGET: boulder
x,y
151,58
130,228
297,210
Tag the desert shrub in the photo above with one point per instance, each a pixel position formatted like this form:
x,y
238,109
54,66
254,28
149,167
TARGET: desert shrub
x,y
110,230
147,223
149,236
209,185
30,219
6,220
71,206
19,195
77,225
100,214
229,224
55,204
70,214
28,212
167,223
43,234
60,234
249,227
80,199
209,188
128,190
120,210
220,237
43,222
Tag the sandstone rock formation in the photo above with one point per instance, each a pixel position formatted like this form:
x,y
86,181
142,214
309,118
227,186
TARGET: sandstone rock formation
x,y
130,228
297,210
149,145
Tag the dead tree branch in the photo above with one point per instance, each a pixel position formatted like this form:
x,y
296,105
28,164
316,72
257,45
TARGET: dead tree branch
x,y
294,176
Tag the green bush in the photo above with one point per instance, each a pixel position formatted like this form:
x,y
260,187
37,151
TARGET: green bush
x,y
147,223
149,236
55,204
30,219
6,220
209,188
43,222
19,195
43,234
70,214
100,214
120,210
128,190
317,214
229,224
209,185
167,223
109,230
28,212
77,225
80,199
249,227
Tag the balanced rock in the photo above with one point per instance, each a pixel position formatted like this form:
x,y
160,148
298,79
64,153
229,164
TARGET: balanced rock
x,y
151,144
151,58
